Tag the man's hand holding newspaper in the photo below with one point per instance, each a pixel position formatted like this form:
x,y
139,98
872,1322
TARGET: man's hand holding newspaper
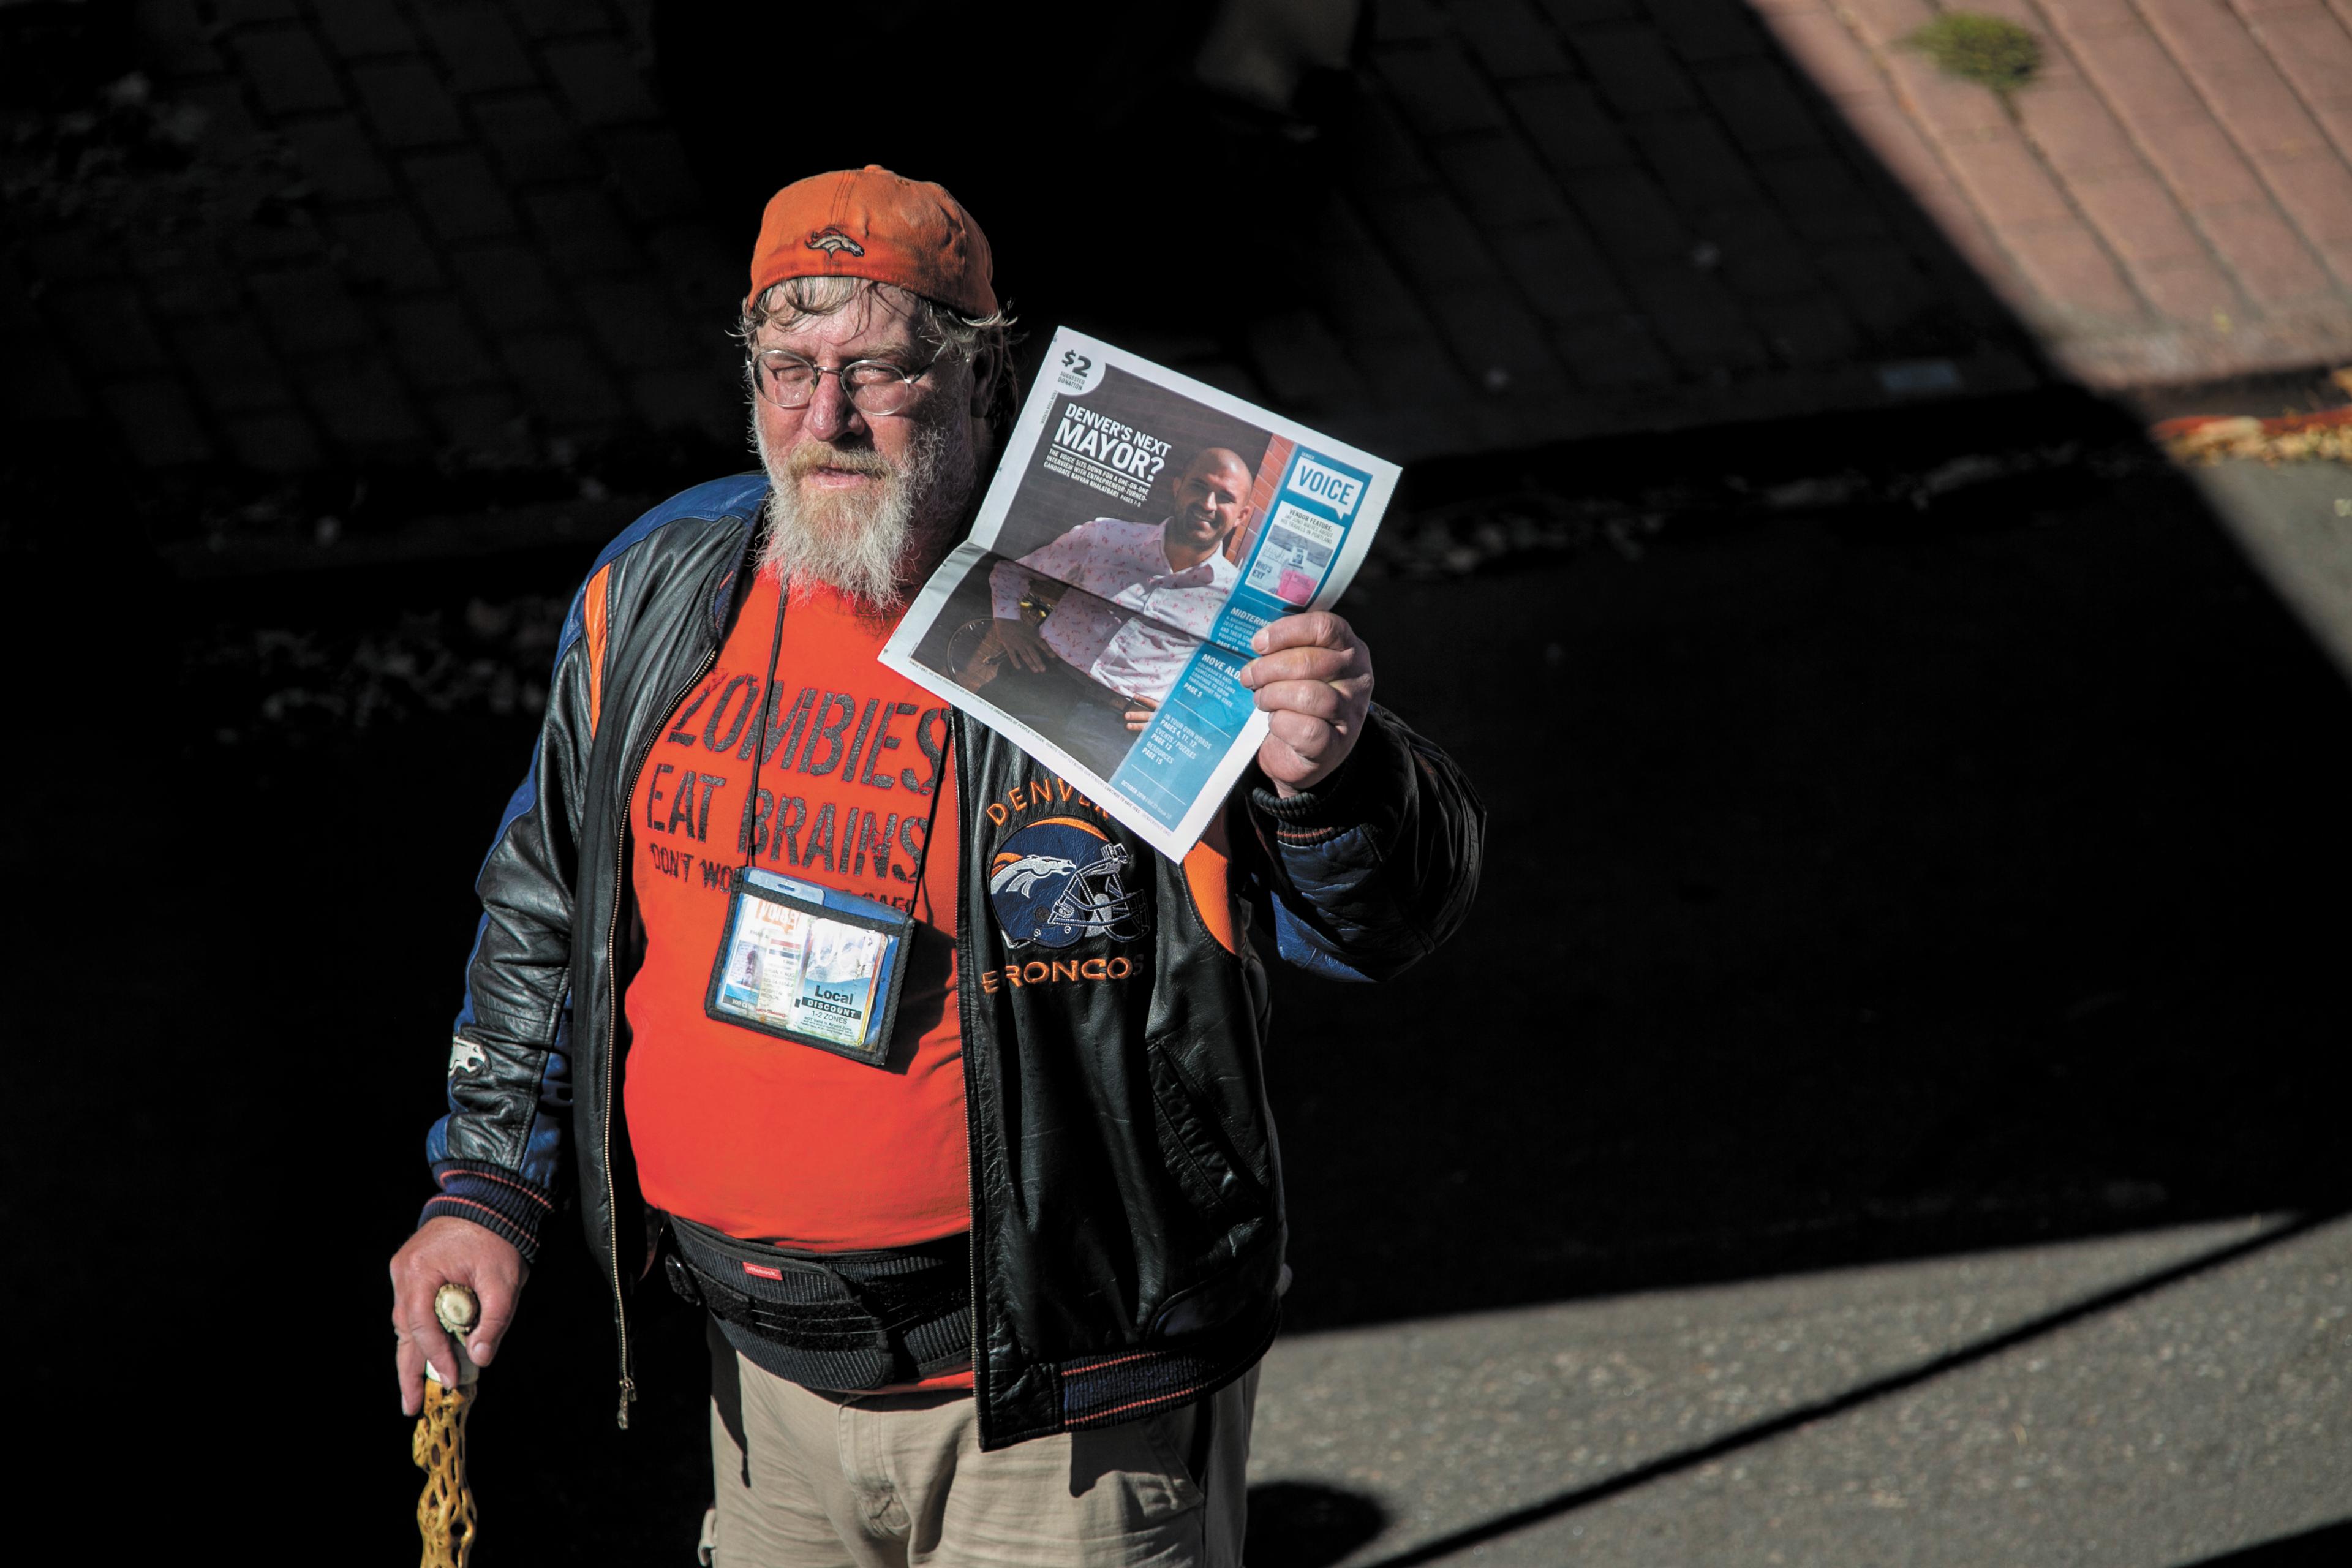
x,y
1313,679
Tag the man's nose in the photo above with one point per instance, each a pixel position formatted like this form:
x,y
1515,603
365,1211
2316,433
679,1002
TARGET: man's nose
x,y
830,414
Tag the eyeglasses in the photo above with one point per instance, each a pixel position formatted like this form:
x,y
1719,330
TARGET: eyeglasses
x,y
872,385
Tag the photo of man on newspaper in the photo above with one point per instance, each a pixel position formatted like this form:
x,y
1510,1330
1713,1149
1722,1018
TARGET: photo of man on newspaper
x,y
1120,594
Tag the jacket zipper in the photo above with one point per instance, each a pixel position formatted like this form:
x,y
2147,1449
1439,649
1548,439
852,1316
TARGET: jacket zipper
x,y
968,1012
613,1033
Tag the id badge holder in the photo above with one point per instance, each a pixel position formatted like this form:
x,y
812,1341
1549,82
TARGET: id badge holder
x,y
810,964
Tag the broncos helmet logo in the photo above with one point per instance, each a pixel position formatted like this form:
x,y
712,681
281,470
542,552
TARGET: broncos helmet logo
x,y
1062,880
833,242
1022,875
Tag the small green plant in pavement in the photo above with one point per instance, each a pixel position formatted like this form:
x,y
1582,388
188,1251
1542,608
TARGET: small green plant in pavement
x,y
1990,51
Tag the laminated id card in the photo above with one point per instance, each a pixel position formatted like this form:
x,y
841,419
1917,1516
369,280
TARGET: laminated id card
x,y
807,963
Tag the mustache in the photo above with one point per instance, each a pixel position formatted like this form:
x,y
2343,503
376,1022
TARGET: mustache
x,y
811,456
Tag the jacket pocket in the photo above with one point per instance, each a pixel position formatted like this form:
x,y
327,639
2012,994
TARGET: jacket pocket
x,y
1198,1152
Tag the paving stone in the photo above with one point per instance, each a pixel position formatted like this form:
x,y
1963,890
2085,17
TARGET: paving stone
x,y
685,399
362,406
287,69
40,385
600,80
461,197
232,368
580,231
1958,113
1888,23
235,12
308,311
2317,192
1702,32
1498,179
2010,186
478,47
1571,13
2190,290
357,28
1369,297
1414,371
2070,269
1757,256
2271,261
1610,352
531,139
435,343
1509,39
1498,341
2312,50
1441,93
1566,121
563,381
179,281
156,419
406,103
1431,238
384,248
1300,361
1807,330
508,284
2137,215
1762,108
1634,71
1879,283
706,277
1821,197
108,335
1697,320
1697,162
338,156
1559,271
273,441
173,40
1900,146
651,168
1394,19
556,18
2073,129
1631,215
479,420
1819,43
632,320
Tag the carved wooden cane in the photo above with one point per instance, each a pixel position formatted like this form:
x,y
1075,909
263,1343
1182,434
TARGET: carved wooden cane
x,y
445,1513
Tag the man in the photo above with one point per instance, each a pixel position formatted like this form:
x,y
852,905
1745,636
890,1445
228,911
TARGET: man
x,y
996,1294
1139,598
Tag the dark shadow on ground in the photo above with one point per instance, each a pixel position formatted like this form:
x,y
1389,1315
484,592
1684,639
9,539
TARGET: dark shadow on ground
x,y
1304,1524
2327,1547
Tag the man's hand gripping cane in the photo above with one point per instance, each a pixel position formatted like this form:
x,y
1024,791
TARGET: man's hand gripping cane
x,y
453,1288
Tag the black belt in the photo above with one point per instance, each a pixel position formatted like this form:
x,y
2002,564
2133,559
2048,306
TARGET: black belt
x,y
839,1321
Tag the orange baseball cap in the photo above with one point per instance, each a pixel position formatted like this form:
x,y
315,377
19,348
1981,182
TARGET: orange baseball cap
x,y
870,222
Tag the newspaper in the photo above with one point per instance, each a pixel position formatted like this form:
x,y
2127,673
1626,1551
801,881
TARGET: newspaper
x,y
1139,530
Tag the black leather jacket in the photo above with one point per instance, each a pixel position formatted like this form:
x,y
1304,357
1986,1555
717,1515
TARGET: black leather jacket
x,y
1126,1214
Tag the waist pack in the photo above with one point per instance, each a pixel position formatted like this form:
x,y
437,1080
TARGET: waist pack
x,y
844,1321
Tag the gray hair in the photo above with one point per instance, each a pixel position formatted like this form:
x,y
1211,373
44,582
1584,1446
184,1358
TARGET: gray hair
x,y
981,341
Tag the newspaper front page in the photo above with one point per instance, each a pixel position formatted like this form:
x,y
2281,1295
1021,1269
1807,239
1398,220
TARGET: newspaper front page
x,y
1138,531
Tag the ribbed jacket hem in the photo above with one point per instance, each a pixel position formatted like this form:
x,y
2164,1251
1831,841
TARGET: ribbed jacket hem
x,y
497,1199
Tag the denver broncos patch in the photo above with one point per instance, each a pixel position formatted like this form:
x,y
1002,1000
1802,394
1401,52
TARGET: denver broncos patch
x,y
1060,879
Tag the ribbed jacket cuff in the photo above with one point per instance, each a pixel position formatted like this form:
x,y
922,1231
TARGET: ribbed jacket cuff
x,y
495,1198
1331,807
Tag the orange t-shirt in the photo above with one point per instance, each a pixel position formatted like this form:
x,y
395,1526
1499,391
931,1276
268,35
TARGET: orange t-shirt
x,y
763,1138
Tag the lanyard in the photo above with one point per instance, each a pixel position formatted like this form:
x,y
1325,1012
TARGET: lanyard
x,y
759,754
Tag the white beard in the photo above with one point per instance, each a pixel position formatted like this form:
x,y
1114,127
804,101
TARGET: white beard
x,y
864,546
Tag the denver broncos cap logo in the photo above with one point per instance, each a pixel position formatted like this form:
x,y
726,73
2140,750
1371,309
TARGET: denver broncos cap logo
x,y
832,241
1060,879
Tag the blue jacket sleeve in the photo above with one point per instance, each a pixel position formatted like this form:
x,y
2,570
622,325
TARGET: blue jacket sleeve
x,y
1378,864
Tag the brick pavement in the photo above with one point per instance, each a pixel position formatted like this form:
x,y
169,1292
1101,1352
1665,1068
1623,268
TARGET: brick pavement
x,y
410,231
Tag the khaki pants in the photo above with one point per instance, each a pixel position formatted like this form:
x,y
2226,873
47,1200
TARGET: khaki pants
x,y
846,1480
